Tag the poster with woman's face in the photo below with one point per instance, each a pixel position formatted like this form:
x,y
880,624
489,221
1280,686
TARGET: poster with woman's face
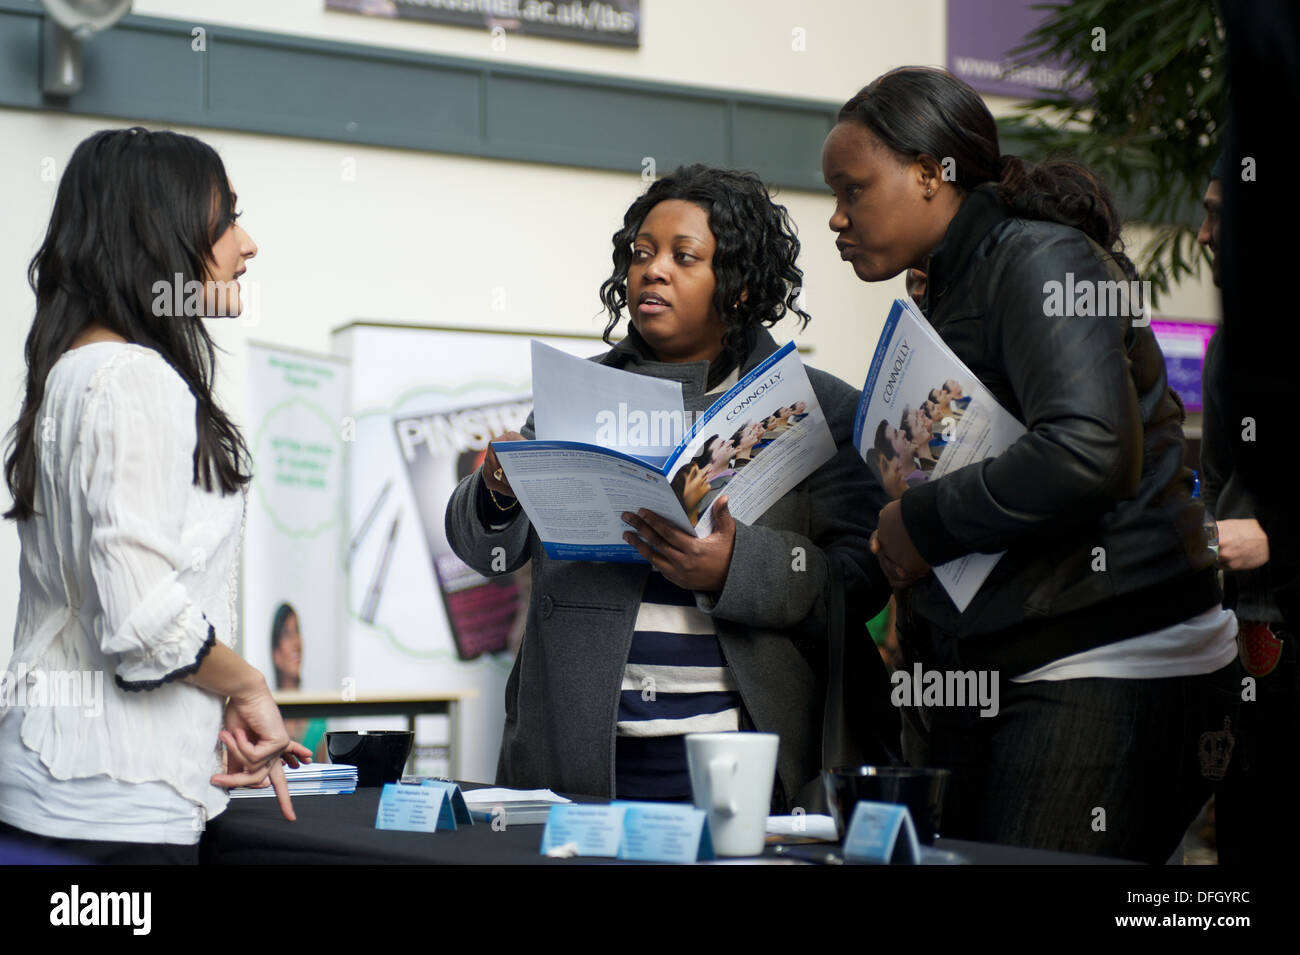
x,y
286,648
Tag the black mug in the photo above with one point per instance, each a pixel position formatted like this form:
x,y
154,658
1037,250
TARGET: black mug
x,y
378,755
920,790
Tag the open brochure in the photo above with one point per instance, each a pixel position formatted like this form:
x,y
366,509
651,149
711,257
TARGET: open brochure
x,y
923,413
755,443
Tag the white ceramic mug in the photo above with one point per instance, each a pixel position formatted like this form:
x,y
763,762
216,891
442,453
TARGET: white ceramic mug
x,y
731,779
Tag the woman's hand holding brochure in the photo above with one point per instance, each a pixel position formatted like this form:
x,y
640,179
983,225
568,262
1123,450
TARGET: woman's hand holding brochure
x,y
893,547
690,562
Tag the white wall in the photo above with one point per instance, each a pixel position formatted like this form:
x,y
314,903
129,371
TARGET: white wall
x,y
426,238
730,44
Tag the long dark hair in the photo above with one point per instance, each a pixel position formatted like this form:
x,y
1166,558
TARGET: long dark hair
x,y
755,255
134,208
924,111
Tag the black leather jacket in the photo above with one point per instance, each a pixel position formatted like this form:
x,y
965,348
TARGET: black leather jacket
x,y
1093,505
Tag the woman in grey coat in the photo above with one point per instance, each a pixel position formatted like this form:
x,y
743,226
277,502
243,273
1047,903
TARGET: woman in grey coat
x,y
619,661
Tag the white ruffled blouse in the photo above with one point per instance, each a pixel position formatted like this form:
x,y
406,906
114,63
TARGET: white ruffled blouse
x,y
128,569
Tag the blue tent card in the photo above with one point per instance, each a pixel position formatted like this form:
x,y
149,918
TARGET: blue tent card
x,y
882,833
411,808
595,830
454,809
645,832
665,832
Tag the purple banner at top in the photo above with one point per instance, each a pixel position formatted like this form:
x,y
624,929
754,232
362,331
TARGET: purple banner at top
x,y
980,35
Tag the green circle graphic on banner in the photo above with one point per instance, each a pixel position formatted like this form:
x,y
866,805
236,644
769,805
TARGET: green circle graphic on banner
x,y
297,468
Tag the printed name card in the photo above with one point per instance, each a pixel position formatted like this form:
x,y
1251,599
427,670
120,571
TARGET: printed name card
x,y
454,809
594,830
645,832
882,833
665,832
410,808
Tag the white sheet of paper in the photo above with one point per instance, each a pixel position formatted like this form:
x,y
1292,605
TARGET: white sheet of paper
x,y
813,826
504,797
579,400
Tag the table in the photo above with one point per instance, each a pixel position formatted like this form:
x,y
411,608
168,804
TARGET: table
x,y
297,705
340,830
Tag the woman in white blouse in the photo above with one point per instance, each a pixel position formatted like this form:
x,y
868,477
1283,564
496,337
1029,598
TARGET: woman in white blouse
x,y
128,488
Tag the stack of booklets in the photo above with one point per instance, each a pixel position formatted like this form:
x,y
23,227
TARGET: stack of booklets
x,y
309,779
512,806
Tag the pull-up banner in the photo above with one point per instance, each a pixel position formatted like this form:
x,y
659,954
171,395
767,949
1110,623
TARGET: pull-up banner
x,y
424,403
294,573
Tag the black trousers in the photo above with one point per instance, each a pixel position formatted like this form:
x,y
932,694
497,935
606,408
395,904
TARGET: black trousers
x,y
106,853
1111,767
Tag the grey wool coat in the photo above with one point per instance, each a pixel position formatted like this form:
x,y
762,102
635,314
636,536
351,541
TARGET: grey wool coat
x,y
562,696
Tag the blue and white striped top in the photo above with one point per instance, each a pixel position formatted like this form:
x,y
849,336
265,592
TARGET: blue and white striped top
x,y
676,682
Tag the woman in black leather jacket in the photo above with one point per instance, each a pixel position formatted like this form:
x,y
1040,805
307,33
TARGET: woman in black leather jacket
x,y
1115,662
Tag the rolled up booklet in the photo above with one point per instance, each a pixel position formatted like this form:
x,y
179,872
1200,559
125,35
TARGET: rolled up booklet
x,y
923,414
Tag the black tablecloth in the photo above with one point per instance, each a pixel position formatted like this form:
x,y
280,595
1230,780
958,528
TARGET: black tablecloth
x,y
341,830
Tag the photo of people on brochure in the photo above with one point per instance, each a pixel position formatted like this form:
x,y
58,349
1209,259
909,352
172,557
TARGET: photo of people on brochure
x,y
721,457
905,453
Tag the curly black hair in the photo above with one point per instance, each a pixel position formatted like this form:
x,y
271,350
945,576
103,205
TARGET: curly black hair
x,y
755,254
